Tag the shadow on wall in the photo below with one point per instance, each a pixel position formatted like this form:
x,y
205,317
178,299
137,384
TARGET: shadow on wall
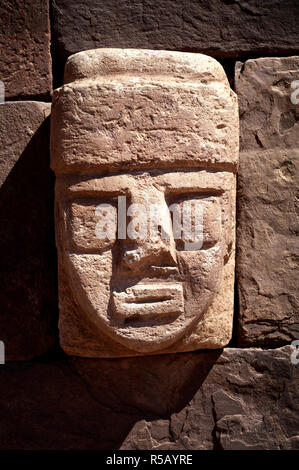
x,y
104,404
28,279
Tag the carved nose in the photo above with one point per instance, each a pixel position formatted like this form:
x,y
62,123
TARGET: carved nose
x,y
157,247
156,253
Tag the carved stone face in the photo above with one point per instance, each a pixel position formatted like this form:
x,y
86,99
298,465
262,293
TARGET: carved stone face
x,y
131,151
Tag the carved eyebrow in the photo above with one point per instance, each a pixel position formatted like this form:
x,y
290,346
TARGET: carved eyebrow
x,y
204,192
74,194
77,193
107,186
94,189
204,181
93,201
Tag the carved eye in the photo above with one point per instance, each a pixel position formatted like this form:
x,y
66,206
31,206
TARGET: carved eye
x,y
92,224
196,222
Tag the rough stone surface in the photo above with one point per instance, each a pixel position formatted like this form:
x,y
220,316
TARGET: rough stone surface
x,y
28,310
216,27
235,399
156,128
25,49
268,224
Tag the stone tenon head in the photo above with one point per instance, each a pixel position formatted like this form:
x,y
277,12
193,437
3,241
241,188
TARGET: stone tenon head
x,y
138,139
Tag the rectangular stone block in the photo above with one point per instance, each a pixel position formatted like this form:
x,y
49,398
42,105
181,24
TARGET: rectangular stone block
x,y
25,66
237,399
218,28
28,298
268,201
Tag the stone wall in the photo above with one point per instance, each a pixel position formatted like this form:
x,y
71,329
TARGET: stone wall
x,y
242,397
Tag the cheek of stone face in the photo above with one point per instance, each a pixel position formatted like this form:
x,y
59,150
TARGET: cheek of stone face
x,y
201,269
201,273
201,224
90,276
92,225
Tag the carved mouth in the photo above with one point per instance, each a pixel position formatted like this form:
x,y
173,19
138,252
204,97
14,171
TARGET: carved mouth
x,y
149,301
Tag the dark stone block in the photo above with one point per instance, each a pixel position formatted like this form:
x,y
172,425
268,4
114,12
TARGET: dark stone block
x,y
234,399
221,28
267,215
28,295
25,49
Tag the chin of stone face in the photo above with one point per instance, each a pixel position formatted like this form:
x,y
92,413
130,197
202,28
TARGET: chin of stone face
x,y
144,145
